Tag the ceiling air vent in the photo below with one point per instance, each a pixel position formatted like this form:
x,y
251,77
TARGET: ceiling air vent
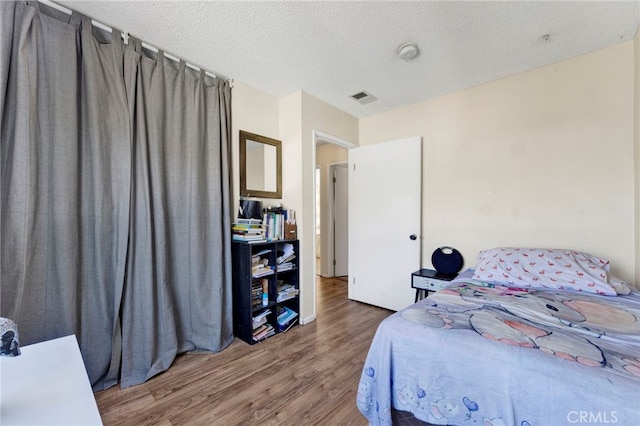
x,y
363,97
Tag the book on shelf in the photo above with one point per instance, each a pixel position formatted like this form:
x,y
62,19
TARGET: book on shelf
x,y
259,322
286,327
257,259
284,261
247,221
258,332
251,233
249,238
285,316
249,230
260,319
262,332
260,265
270,228
270,224
286,292
287,266
260,293
262,272
248,226
256,302
274,220
288,259
286,254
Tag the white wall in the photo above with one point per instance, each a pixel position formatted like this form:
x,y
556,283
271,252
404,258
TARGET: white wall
x,y
543,158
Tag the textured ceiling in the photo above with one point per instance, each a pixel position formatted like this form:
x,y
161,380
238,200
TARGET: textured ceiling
x,y
335,49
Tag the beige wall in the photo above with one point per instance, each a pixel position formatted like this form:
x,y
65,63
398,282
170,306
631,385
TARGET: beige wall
x,y
543,158
549,157
320,116
292,120
300,115
255,112
637,156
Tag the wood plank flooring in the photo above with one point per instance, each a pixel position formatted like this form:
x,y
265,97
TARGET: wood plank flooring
x,y
307,376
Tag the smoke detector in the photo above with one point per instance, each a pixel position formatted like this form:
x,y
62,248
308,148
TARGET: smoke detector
x,y
408,51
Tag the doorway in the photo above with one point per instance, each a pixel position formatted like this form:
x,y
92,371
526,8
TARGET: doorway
x,y
331,158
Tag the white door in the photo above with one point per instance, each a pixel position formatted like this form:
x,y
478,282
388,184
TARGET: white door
x,y
385,187
340,220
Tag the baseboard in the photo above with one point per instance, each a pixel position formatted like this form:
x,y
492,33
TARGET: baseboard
x,y
307,320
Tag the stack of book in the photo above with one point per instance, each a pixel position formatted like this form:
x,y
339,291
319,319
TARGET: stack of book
x,y
274,226
275,219
260,264
261,318
250,230
286,292
264,331
284,261
256,294
286,317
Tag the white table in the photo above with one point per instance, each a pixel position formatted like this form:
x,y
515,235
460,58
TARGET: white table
x,y
47,385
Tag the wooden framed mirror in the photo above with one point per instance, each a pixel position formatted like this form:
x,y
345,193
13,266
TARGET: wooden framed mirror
x,y
260,166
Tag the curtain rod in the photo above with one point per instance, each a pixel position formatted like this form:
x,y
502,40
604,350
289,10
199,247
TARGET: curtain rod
x,y
125,38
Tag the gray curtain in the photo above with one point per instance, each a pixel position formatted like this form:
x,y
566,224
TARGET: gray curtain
x,y
178,234
115,196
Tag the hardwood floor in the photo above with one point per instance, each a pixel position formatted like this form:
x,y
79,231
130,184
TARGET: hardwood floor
x,y
307,376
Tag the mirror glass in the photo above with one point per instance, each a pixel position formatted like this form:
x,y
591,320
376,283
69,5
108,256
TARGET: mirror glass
x,y
261,162
260,166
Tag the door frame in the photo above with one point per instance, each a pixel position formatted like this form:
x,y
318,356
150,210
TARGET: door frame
x,y
319,136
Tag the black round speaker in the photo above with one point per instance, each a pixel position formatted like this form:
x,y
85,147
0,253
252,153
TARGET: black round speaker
x,y
447,260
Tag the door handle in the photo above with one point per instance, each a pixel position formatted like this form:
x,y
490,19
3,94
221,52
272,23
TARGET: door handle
x,y
413,237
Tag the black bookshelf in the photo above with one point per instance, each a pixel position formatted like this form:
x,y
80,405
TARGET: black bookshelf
x,y
279,279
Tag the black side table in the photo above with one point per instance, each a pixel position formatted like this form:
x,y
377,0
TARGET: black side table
x,y
426,280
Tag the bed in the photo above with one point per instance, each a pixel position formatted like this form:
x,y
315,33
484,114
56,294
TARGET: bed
x,y
558,344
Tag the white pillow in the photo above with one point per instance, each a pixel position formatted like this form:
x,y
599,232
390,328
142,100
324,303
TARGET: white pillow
x,y
547,268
